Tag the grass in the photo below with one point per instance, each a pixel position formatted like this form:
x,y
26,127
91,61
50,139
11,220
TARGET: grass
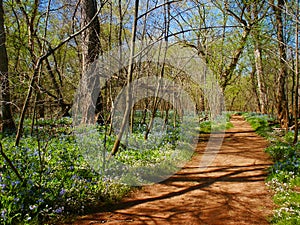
x,y
284,175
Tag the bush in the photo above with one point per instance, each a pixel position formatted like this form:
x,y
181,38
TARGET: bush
x,y
260,123
281,151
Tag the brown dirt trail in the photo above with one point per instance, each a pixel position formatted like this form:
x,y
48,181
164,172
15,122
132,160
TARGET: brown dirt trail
x,y
229,191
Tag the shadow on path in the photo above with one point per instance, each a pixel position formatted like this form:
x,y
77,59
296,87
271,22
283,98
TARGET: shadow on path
x,y
230,191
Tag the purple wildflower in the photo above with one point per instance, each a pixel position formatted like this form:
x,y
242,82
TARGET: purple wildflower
x,y
62,192
59,210
3,213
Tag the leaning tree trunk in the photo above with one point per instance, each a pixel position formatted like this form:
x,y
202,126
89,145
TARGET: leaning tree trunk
x,y
129,81
7,118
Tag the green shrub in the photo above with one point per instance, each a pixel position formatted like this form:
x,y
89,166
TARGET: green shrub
x,y
260,123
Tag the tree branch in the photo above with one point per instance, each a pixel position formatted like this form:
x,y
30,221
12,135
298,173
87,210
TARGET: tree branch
x,y
11,165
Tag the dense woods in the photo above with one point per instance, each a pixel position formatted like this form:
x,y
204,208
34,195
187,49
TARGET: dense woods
x,y
49,47
250,47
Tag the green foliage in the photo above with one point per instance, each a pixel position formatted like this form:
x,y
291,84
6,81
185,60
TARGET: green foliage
x,y
281,151
260,123
286,197
284,174
210,126
57,181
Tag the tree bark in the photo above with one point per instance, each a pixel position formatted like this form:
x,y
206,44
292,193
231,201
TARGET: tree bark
x,y
259,74
258,63
90,37
297,78
254,87
90,52
7,118
281,103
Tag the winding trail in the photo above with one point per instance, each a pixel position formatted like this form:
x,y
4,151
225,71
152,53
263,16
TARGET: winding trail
x,y
230,191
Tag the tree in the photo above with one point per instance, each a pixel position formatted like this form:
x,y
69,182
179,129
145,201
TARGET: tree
x,y
222,52
37,63
90,37
296,111
281,101
258,58
129,80
7,118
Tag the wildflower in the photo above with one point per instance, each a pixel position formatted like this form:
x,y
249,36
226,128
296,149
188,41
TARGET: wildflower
x,y
40,200
15,183
32,207
59,210
3,213
36,153
2,186
62,192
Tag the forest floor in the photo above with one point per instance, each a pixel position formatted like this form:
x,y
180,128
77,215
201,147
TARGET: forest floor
x,y
231,190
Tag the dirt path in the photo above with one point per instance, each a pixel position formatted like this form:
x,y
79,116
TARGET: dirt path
x,y
230,191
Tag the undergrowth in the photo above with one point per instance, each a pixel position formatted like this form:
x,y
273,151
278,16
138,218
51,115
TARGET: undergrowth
x,y
56,181
284,175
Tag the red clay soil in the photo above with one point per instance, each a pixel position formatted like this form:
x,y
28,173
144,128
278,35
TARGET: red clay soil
x,y
229,191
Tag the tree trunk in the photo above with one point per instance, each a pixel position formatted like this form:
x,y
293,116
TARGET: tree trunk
x,y
260,82
227,74
90,37
90,52
282,104
297,77
7,118
129,80
254,87
259,69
